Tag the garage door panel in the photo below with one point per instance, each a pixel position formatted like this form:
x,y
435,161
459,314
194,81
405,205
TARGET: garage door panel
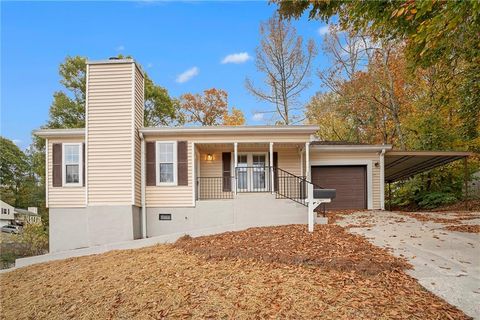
x,y
349,181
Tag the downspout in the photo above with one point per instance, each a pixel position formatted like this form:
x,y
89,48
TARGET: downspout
x,y
382,179
142,183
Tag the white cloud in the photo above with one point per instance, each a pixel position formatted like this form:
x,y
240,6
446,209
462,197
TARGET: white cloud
x,y
258,116
17,142
149,65
120,48
240,57
187,75
323,30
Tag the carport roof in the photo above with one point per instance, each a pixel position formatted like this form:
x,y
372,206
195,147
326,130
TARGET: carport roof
x,y
404,164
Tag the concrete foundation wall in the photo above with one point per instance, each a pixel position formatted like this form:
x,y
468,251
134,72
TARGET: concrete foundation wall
x,y
72,228
246,210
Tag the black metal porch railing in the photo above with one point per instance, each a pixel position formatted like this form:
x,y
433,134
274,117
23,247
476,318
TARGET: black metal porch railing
x,y
290,186
209,188
256,179
253,179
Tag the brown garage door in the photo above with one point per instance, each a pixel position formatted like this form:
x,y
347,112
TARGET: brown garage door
x,y
349,181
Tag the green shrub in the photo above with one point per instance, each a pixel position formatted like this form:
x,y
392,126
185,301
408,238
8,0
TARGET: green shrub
x,y
436,199
34,237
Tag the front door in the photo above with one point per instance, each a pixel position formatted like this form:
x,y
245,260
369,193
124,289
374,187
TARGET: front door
x,y
252,173
259,162
242,172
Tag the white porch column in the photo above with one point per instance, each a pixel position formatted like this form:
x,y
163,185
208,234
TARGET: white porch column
x,y
235,163
311,209
272,176
301,162
382,179
307,161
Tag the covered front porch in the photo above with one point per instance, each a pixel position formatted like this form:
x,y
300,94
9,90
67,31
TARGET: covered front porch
x,y
223,170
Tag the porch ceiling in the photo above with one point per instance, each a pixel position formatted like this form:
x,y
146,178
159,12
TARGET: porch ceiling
x,y
247,146
401,165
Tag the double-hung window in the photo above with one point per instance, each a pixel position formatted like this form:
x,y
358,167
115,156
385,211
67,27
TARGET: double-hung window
x,y
166,163
72,164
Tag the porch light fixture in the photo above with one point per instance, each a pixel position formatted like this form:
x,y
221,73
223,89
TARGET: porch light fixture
x,y
209,157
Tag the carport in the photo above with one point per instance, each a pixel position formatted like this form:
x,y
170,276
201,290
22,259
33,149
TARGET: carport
x,y
401,165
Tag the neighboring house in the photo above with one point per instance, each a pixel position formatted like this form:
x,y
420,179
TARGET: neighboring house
x,y
6,214
115,180
29,216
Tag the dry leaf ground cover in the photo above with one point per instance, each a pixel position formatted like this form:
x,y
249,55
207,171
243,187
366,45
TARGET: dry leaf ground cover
x,y
276,272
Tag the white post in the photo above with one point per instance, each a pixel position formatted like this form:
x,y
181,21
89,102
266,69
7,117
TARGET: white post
x,y
311,209
272,176
382,179
235,163
307,161
301,162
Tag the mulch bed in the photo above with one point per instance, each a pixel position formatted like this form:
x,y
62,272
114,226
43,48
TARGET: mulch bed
x,y
329,247
274,272
469,228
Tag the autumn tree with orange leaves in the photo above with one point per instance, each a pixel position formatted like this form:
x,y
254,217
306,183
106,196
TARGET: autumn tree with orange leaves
x,y
235,118
207,109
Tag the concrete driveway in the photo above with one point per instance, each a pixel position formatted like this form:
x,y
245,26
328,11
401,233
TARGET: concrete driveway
x,y
445,262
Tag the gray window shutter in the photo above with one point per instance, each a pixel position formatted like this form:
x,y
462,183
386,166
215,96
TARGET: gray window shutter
x,y
182,163
150,164
227,171
57,165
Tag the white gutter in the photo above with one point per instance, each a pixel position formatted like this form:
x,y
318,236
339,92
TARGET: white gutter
x,y
142,188
228,129
382,179
351,148
60,133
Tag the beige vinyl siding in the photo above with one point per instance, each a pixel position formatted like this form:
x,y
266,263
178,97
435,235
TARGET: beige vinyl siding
x,y
182,196
110,130
139,106
63,197
317,155
172,196
288,160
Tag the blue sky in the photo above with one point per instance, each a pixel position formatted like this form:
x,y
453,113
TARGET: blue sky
x,y
166,38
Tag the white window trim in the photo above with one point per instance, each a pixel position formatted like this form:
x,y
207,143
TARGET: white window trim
x,y
80,165
157,162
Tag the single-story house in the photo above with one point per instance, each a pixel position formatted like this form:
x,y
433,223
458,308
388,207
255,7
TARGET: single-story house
x,y
28,216
116,180
6,214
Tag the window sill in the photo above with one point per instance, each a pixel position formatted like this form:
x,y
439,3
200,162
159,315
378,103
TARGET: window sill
x,y
71,186
167,184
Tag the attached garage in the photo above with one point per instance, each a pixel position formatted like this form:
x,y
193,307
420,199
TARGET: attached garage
x,y
350,181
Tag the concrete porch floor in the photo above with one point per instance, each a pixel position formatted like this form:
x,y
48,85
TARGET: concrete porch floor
x,y
446,263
